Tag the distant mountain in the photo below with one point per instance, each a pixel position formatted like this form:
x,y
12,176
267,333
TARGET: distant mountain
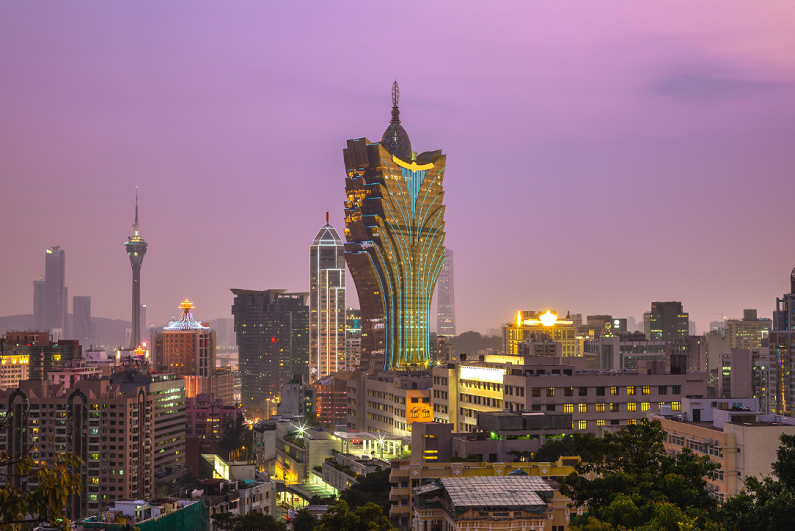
x,y
110,333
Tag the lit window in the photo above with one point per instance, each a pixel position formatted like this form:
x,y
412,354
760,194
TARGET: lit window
x,y
646,390
614,391
645,406
632,406
600,408
632,422
631,390
583,425
568,408
676,406
550,391
600,422
582,408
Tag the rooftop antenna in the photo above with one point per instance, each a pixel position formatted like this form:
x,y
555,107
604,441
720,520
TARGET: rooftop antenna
x,y
327,218
135,227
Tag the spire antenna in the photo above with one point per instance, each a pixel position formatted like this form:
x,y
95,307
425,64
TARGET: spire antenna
x,y
135,227
327,218
395,94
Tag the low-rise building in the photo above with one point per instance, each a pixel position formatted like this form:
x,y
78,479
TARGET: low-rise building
x,y
390,402
406,476
730,432
13,369
264,441
149,515
72,372
341,471
514,501
299,450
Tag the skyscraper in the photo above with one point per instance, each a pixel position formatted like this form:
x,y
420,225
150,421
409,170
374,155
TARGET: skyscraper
x,y
49,295
667,321
394,219
272,330
445,312
327,303
780,393
136,249
187,347
81,321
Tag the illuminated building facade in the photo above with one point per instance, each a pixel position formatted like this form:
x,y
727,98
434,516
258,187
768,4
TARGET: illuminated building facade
x,y
353,338
186,347
136,249
326,303
394,219
747,333
445,312
782,354
13,369
531,325
272,330
389,402
667,320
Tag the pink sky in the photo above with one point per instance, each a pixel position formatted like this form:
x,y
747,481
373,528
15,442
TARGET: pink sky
x,y
601,155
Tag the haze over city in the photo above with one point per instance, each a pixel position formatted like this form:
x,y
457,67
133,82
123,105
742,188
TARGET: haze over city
x,y
601,156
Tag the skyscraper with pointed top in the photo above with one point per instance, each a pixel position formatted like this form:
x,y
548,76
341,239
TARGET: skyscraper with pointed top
x,y
136,249
394,219
326,303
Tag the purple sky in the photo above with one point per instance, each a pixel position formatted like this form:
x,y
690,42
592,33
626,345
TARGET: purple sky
x,y
601,155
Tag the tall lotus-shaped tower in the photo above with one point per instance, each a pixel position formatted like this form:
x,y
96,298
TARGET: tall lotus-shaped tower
x,y
394,219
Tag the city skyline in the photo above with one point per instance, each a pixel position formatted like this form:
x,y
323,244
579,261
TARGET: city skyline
x,y
675,141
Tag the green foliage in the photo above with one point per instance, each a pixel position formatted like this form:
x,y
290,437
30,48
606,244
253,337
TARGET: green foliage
x,y
47,502
372,488
471,458
248,522
769,503
635,485
233,439
304,521
317,500
554,449
370,517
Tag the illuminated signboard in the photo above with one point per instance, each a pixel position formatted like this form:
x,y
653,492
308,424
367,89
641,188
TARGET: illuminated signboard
x,y
481,374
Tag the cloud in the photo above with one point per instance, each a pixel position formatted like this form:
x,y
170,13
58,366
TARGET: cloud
x,y
694,86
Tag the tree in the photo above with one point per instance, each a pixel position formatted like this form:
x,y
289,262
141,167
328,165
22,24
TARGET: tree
x,y
48,500
248,522
769,503
233,438
304,521
366,518
372,488
554,449
628,481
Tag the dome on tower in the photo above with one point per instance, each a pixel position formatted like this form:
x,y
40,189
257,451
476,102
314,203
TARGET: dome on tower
x,y
396,139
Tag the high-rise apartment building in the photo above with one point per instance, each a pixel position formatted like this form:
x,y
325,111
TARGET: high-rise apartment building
x,y
353,338
394,219
781,396
136,249
108,427
749,332
445,313
186,347
50,304
667,321
272,330
326,303
81,321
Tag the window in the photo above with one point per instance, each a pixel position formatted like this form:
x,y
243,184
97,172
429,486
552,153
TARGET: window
x,y
646,390
583,391
632,406
600,422
600,408
550,407
614,391
568,391
631,390
536,391
676,406
550,391
662,390
677,390
582,425
582,408
632,422
600,391
426,414
536,407
614,407
645,406
415,414
568,408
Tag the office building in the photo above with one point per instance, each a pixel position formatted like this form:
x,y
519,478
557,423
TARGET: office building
x,y
390,402
108,427
39,304
272,329
326,303
749,332
136,249
394,228
529,324
353,338
13,369
445,314
186,347
81,321
667,320
462,390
